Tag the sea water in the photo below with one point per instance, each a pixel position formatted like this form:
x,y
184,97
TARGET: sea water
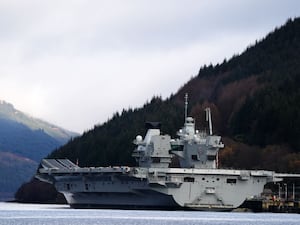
x,y
31,214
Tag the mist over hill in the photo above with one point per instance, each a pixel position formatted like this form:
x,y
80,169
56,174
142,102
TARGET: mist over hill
x,y
255,102
24,141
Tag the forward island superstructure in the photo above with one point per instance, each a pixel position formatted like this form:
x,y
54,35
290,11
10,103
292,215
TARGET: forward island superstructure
x,y
196,183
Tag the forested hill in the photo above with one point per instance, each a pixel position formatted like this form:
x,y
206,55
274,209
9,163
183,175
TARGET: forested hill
x,y
255,102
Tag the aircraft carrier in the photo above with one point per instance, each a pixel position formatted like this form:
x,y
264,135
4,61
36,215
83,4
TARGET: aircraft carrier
x,y
197,183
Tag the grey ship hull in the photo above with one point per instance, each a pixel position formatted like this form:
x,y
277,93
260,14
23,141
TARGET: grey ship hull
x,y
146,200
154,188
103,187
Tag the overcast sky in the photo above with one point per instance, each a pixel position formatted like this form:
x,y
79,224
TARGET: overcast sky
x,y
74,63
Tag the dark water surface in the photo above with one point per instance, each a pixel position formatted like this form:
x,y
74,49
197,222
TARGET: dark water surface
x,y
30,214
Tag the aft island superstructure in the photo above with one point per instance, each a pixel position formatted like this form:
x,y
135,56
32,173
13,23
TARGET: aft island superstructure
x,y
196,183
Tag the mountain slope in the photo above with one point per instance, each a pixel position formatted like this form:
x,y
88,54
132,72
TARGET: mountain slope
x,y
19,139
257,93
24,141
14,170
7,111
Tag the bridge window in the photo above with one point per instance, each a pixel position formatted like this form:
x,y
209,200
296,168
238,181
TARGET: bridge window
x,y
211,157
231,181
194,157
189,179
177,147
156,160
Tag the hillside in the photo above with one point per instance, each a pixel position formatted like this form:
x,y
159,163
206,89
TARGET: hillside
x,y
14,170
7,111
255,103
24,141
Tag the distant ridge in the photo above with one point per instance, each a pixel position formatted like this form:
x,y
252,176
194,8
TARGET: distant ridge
x,y
24,141
14,170
7,111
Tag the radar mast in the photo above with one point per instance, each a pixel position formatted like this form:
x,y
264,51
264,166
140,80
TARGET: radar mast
x,y
185,105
